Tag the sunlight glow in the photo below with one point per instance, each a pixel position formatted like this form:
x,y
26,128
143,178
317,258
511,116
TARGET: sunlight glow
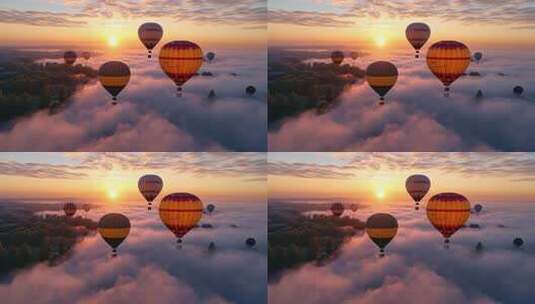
x,y
113,41
380,194
113,194
380,41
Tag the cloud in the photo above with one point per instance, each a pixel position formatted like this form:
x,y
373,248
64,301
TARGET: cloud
x,y
305,18
42,18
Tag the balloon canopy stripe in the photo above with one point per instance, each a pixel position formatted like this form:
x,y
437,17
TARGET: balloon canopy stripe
x,y
117,81
114,233
385,81
382,233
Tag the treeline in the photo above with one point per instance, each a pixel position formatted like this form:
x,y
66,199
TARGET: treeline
x,y
38,239
26,87
295,239
298,87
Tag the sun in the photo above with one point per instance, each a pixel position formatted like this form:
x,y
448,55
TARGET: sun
x,y
113,194
380,41
380,194
113,41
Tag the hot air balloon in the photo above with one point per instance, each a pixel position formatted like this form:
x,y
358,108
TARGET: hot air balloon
x,y
337,209
417,33
180,212
381,228
250,242
518,90
448,212
150,186
210,208
354,207
70,58
114,228
337,57
478,56
250,90
69,209
478,208
448,60
210,56
180,60
417,186
518,242
354,55
86,207
150,34
86,55
114,76
381,76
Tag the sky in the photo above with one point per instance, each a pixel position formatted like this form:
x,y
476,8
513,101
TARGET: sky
x,y
94,24
379,178
375,24
111,178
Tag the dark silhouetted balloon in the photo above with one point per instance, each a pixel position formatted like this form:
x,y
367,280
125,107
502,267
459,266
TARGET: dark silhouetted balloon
x,y
337,57
381,229
210,208
86,207
210,56
354,55
448,60
354,207
478,56
250,242
381,76
250,90
114,228
211,246
150,186
478,208
337,209
86,55
114,76
417,186
69,209
417,33
479,246
479,94
180,212
518,242
180,60
518,90
448,212
150,34
70,57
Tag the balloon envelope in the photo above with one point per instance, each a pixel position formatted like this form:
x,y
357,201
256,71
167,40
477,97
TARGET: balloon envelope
x,y
70,57
251,242
381,228
518,242
180,212
69,209
478,208
337,209
448,60
518,90
114,76
86,55
337,57
150,34
478,56
354,55
210,208
448,212
417,186
114,228
417,33
210,56
180,60
250,90
381,76
150,186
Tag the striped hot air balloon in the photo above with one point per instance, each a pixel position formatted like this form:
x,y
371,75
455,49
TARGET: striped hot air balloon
x,y
448,60
69,209
150,186
381,229
418,33
180,60
114,228
381,77
180,212
70,57
337,57
448,212
417,186
114,76
150,34
337,209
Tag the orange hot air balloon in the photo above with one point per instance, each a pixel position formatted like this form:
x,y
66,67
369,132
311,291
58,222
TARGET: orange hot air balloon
x,y
337,57
69,209
180,212
417,34
70,58
337,209
114,228
448,60
180,60
86,55
381,76
150,34
150,186
448,212
114,76
381,228
417,186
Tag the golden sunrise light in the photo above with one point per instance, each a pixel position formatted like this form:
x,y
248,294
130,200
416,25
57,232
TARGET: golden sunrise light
x,y
380,41
113,194
113,41
380,194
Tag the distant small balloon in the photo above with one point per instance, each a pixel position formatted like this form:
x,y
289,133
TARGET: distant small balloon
x,y
211,246
337,57
86,55
86,207
70,58
354,207
479,246
337,209
518,90
211,94
210,208
210,56
354,55
250,242
250,90
478,208
478,56
479,94
518,242
69,209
